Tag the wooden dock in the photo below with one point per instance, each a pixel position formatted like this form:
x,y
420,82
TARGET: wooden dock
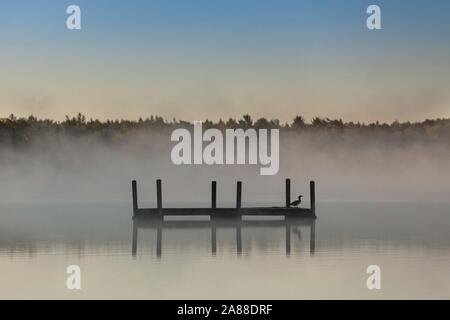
x,y
238,211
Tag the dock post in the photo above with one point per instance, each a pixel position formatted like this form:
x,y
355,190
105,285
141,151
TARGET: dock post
x,y
312,196
213,194
288,193
238,194
134,194
159,195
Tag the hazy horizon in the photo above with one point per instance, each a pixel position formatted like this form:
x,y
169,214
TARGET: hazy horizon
x,y
174,119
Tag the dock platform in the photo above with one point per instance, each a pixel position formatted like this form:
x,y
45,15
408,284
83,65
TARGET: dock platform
x,y
238,211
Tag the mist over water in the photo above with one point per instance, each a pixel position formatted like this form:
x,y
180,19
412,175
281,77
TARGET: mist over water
x,y
347,166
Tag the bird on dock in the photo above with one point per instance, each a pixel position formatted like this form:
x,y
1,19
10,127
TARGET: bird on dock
x,y
296,203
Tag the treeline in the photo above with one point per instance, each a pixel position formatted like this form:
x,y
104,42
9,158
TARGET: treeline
x,y
24,131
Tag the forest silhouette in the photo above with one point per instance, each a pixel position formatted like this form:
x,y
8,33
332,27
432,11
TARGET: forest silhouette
x,y
22,132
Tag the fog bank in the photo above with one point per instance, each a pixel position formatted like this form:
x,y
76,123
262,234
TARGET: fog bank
x,y
347,165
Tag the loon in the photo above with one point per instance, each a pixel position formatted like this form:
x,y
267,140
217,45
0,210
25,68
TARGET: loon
x,y
296,203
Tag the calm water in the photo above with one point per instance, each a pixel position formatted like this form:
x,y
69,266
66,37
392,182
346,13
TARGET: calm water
x,y
198,259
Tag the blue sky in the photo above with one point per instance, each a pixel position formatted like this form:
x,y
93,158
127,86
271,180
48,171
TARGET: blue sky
x,y
218,59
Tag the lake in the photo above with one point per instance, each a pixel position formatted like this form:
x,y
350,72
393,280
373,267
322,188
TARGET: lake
x,y
252,259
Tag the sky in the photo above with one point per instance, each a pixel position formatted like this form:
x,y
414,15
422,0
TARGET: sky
x,y
223,58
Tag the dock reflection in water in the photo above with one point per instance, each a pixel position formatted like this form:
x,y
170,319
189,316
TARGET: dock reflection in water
x,y
198,259
290,224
